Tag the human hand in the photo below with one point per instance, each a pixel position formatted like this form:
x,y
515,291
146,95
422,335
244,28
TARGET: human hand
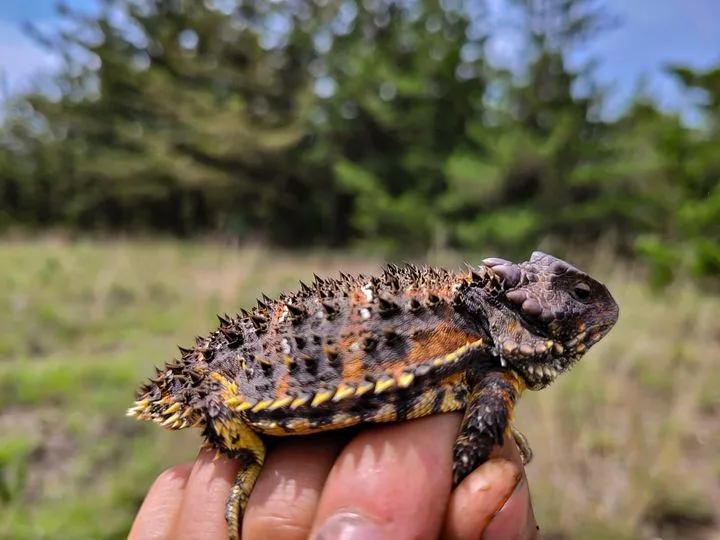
x,y
390,482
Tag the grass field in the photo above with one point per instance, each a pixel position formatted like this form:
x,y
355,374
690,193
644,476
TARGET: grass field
x,y
627,445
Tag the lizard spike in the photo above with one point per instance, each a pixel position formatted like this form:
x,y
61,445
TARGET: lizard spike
x,y
331,353
289,362
405,380
245,405
170,420
295,310
258,319
262,405
369,343
266,366
474,272
509,275
301,400
495,261
175,407
384,383
228,332
321,397
307,358
390,334
281,403
343,391
387,306
363,388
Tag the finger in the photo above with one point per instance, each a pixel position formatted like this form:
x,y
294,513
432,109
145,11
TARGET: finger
x,y
390,482
493,501
515,520
284,501
157,513
202,513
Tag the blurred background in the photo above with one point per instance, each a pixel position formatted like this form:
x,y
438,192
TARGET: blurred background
x,y
162,161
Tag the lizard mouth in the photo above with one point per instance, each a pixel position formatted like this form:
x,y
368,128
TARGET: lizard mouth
x,y
538,375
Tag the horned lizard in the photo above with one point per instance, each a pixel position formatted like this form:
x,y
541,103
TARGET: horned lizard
x,y
361,350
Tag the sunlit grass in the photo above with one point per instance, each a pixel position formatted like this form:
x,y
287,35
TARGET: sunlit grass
x,y
626,445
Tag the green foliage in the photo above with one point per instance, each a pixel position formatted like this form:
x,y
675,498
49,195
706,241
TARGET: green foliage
x,y
380,123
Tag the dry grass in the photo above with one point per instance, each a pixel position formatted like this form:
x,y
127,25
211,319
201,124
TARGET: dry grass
x,y
626,445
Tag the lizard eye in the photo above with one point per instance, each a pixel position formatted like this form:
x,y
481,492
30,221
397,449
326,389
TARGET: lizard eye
x,y
581,292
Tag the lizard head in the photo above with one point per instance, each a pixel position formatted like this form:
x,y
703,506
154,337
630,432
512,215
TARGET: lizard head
x,y
549,314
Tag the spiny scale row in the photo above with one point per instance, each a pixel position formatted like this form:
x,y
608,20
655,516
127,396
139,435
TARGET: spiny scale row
x,y
174,371
166,412
344,391
176,414
169,413
393,277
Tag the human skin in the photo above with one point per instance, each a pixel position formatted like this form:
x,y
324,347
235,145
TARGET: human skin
x,y
387,482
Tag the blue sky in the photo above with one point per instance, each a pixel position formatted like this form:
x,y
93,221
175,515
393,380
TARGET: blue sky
x,y
653,32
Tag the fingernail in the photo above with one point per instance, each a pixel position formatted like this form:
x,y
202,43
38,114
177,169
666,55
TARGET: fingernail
x,y
349,526
510,521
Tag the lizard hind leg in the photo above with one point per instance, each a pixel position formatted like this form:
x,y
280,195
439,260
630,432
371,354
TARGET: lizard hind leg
x,y
237,440
240,494
487,418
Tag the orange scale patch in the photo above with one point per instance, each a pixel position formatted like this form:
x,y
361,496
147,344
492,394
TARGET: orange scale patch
x,y
282,386
353,370
440,342
280,313
357,297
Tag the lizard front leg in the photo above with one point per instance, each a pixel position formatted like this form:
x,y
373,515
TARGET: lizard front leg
x,y
488,418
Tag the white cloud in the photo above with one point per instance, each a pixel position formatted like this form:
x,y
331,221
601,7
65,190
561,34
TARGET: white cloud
x,y
21,59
